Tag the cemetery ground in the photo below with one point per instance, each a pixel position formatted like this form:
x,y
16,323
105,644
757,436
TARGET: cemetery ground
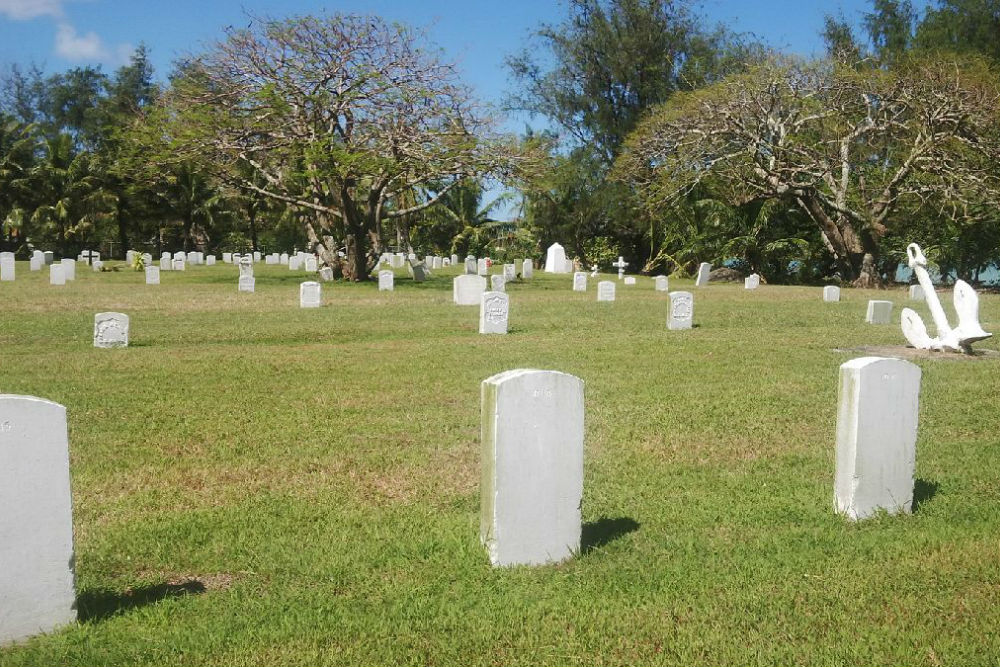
x,y
256,483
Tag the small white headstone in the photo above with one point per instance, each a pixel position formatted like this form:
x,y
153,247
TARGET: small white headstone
x,y
879,312
311,264
326,274
294,263
35,264
831,293
527,269
36,518
630,280
386,281
703,270
179,265
57,275
532,467
876,436
916,293
751,282
97,265
580,281
147,259
210,260
152,275
398,260
497,283
470,265
509,272
256,257
661,284
110,330
681,311
467,289
179,255
606,290
283,259
192,258
246,284
69,268
165,263
310,294
227,258
493,312
438,263
7,267
481,267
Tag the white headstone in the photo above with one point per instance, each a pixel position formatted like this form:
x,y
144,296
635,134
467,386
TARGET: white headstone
x,y
256,258
580,281
453,260
283,259
40,256
147,259
703,270
398,260
493,312
192,258
165,255
630,280
681,311
527,269
210,260
69,268
311,264
438,263
386,281
879,312
36,518
555,259
751,282
97,265
246,284
49,257
470,265
661,283
532,467
130,256
467,290
110,330
509,272
326,274
831,293
916,293
179,265
7,267
482,267
35,263
294,263
876,436
165,263
57,275
497,283
152,275
179,255
606,290
310,294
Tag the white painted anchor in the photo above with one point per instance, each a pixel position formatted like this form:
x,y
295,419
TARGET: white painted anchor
x,y
966,303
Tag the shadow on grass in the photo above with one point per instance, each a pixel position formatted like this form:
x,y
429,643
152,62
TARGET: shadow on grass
x,y
598,533
923,491
100,604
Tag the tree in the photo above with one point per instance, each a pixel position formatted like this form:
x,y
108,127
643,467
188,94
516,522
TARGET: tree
x,y
338,115
854,150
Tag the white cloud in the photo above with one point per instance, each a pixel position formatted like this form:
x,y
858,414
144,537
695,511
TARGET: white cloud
x,y
23,10
71,46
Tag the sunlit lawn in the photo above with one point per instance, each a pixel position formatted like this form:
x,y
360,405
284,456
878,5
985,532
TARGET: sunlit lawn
x,y
255,483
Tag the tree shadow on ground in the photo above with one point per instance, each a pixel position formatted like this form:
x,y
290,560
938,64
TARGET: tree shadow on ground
x,y
598,533
923,491
97,605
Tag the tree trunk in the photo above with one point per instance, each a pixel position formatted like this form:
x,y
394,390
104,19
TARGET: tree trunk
x,y
252,215
122,227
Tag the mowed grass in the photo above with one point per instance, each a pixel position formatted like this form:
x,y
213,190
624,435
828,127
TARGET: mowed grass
x,y
258,484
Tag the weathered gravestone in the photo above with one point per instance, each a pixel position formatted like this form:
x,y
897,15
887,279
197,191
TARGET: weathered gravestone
x,y
256,257
916,293
494,310
580,281
482,267
110,330
69,268
56,275
418,270
310,294
227,258
509,272
831,293
681,311
527,269
606,290
661,284
326,274
7,266
36,518
247,281
294,263
179,265
879,312
630,280
97,265
751,282
191,258
165,263
703,270
470,265
311,264
152,275
49,257
467,290
386,281
497,283
283,259
437,263
876,436
532,467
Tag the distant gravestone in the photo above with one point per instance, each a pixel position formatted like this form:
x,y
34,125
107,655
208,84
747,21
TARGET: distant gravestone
x,y
247,283
555,259
147,259
681,311
879,312
606,290
453,260
192,258
386,281
326,274
580,281
467,290
152,275
69,268
110,330
294,263
527,269
418,270
35,263
497,283
179,255
916,293
49,257
179,265
227,258
310,294
165,263
438,263
311,264
7,266
398,260
56,275
751,282
130,256
36,518
256,257
876,436
482,267
470,265
703,270
509,272
661,284
630,280
831,293
494,310
97,265
532,467
283,259
210,260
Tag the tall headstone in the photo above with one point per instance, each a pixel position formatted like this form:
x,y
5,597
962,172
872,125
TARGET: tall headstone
x,y
56,275
311,264
532,467
876,436
110,330
703,270
310,294
916,293
879,312
152,275
681,311
69,268
7,266
498,283
831,293
606,290
467,290
35,263
580,281
661,283
482,267
527,269
555,259
494,310
386,281
470,265
165,263
454,260
751,282
283,259
247,283
36,518
438,263
256,258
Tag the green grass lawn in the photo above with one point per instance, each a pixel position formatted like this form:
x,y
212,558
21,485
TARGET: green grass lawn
x,y
259,484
